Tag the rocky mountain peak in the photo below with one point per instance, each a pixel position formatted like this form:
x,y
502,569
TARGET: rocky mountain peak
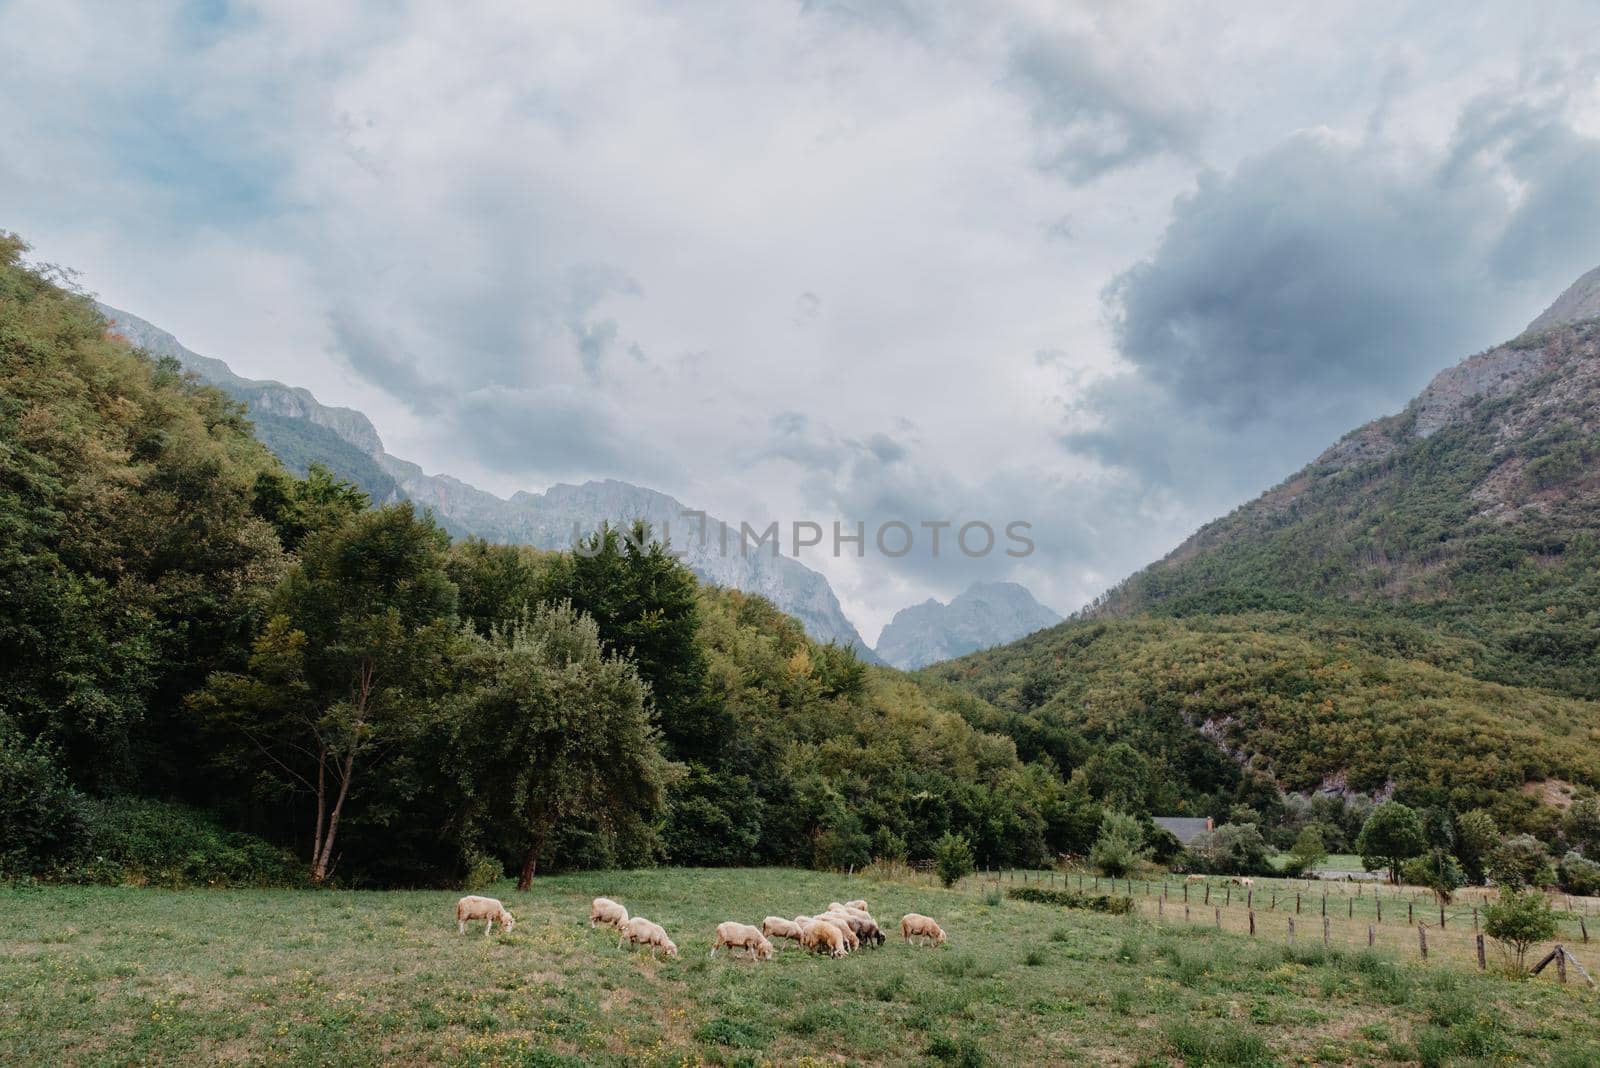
x,y
1580,301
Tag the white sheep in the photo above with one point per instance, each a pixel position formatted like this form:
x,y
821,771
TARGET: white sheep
x,y
473,908
822,937
778,927
742,936
605,911
852,941
856,904
862,926
916,925
640,931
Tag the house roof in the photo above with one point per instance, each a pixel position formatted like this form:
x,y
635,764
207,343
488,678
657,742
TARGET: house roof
x,y
1184,828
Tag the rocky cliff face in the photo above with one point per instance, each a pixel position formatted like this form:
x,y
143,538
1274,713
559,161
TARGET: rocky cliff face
x,y
985,615
301,430
1581,301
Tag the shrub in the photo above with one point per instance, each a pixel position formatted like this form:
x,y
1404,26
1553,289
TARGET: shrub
x,y
1115,904
142,841
954,859
1520,862
1439,872
1120,845
41,816
1579,875
1232,849
1518,921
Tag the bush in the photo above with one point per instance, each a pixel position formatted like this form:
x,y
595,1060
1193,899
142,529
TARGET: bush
x,y
1120,845
954,859
41,816
1115,904
1520,862
1232,849
1518,921
1579,875
140,841
1438,872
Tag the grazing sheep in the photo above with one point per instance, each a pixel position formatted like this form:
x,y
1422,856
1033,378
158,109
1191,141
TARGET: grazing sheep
x,y
742,936
916,925
822,937
640,931
475,908
856,904
864,927
852,941
1195,879
604,910
778,927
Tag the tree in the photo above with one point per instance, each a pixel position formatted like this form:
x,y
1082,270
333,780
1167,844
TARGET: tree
x,y
954,859
1581,827
344,669
1120,845
1437,871
645,602
1476,836
1232,849
1579,875
1308,850
550,729
1521,861
1519,921
1119,777
1392,835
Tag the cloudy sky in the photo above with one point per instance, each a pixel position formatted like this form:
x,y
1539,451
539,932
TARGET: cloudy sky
x,y
1110,268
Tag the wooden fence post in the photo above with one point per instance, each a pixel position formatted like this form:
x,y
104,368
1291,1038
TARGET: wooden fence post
x,y
1227,896
1324,904
1324,932
1561,965
1411,916
1252,923
1352,910
1441,915
1297,902
1185,912
1372,935
1250,899
1379,902
1161,909
1207,901
1186,891
1584,928
1219,919
1422,940
1291,930
1483,963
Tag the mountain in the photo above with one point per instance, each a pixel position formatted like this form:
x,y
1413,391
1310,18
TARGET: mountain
x,y
301,431
985,615
1414,614
1475,510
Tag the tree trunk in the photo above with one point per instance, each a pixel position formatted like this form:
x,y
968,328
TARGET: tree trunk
x,y
319,866
530,864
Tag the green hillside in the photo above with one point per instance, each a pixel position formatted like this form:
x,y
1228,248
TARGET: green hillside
x,y
1475,512
1417,611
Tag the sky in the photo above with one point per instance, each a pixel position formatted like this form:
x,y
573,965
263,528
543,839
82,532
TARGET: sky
x,y
1110,269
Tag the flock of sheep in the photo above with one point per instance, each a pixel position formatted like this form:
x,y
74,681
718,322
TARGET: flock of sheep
x,y
837,930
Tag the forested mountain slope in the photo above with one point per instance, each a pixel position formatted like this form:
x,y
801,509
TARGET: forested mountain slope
x,y
1476,510
1417,612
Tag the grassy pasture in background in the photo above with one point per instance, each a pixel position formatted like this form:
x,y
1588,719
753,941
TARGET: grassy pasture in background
x,y
98,975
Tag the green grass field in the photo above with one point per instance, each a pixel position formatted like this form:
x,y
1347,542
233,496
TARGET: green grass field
x,y
116,976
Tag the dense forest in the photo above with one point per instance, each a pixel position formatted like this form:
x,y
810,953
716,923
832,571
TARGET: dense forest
x,y
213,669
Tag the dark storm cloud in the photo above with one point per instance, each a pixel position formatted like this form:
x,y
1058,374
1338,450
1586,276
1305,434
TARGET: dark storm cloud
x,y
1321,284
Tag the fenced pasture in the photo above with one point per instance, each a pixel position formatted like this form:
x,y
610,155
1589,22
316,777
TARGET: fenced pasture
x,y
1358,914
94,975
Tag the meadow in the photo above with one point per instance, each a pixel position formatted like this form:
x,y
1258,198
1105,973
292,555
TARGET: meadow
x,y
98,975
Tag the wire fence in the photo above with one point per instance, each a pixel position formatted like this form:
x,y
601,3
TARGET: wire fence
x,y
1409,921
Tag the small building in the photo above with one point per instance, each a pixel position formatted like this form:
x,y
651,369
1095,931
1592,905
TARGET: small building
x,y
1184,828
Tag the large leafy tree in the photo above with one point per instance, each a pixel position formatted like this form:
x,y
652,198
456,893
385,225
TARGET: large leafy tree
x,y
549,729
346,667
646,605
1392,835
